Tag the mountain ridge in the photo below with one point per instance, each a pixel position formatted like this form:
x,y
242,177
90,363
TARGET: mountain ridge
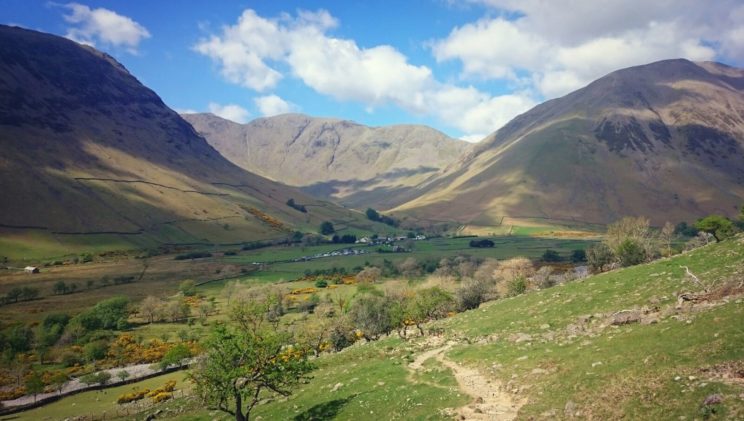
x,y
632,142
336,159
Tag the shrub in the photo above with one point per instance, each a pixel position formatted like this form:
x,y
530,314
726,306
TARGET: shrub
x,y
517,286
132,396
471,294
485,243
194,255
188,288
599,256
70,359
578,256
551,256
291,203
326,228
631,252
321,283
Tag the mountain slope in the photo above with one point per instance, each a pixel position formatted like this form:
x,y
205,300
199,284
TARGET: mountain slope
x,y
664,140
357,165
88,150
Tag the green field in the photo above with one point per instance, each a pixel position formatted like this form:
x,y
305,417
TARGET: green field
x,y
432,249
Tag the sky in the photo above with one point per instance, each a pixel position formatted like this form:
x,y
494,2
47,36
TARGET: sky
x,y
463,67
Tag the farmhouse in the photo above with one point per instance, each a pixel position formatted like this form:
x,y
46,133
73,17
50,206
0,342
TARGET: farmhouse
x,y
31,269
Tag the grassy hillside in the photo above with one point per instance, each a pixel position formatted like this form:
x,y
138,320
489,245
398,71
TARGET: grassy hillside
x,y
549,354
557,350
93,160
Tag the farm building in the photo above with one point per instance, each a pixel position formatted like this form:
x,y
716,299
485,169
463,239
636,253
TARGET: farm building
x,y
31,269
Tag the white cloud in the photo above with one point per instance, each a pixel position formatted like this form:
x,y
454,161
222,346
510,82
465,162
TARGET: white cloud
x,y
473,138
271,105
564,46
231,112
104,26
256,51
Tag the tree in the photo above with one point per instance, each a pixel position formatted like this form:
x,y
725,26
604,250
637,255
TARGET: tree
x,y
551,256
472,293
369,275
719,226
175,356
578,256
326,228
34,384
188,288
150,308
630,228
666,235
371,315
372,215
122,375
599,256
58,380
429,304
245,361
410,268
631,253
60,288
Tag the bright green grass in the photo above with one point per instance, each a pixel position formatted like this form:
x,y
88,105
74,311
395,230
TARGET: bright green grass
x,y
374,386
635,379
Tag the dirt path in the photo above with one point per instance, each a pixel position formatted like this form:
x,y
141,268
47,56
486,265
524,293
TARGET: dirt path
x,y
489,401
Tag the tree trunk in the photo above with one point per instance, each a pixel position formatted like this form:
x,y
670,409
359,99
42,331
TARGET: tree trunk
x,y
239,408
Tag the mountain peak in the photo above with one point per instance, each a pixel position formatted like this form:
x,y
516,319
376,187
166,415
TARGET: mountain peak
x,y
665,140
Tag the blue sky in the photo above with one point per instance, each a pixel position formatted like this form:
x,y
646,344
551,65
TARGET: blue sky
x,y
463,67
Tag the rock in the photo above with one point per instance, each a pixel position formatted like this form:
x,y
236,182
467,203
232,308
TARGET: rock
x,y
713,399
544,326
539,371
570,409
594,364
678,378
479,400
625,317
478,411
336,387
522,337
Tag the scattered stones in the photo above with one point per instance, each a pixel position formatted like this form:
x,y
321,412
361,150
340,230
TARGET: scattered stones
x,y
625,317
521,337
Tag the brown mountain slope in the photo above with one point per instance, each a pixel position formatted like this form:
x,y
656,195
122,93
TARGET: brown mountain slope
x,y
357,165
664,140
86,149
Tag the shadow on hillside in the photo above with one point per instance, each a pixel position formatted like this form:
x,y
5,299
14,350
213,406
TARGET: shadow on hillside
x,y
325,410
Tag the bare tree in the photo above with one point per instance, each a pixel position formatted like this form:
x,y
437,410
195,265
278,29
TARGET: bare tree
x,y
150,308
666,235
369,275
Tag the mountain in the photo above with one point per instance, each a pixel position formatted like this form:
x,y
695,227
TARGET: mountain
x,y
91,155
356,165
663,140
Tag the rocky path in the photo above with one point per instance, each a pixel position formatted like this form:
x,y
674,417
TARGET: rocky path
x,y
489,401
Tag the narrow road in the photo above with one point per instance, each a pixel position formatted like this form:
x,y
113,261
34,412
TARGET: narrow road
x,y
489,401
